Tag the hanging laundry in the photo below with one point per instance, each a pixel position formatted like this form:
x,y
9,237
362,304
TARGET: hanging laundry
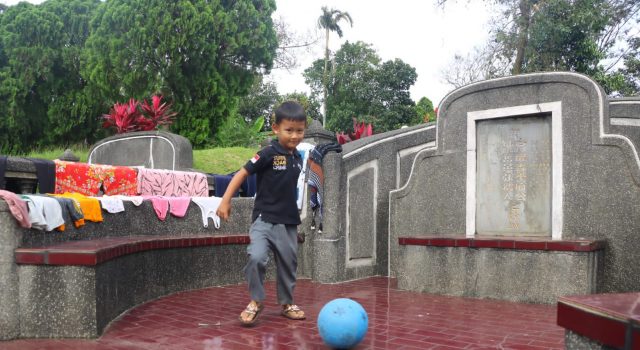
x,y
90,206
120,180
220,184
71,212
248,186
112,204
45,213
136,200
208,207
88,178
178,206
46,174
159,182
316,179
17,207
304,149
160,205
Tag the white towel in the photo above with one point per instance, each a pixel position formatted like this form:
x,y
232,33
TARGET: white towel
x,y
45,213
136,200
111,204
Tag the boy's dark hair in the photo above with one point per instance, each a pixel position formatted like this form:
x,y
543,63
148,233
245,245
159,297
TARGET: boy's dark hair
x,y
290,110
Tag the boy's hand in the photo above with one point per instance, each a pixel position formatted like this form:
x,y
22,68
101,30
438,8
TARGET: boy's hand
x,y
224,209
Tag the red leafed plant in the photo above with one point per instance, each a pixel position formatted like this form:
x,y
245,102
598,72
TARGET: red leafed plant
x,y
360,130
128,117
158,113
123,116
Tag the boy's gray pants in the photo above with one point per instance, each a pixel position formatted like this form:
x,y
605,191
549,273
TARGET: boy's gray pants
x,y
283,241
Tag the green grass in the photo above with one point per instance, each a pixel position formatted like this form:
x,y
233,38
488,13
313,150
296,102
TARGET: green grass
x,y
222,160
213,160
54,153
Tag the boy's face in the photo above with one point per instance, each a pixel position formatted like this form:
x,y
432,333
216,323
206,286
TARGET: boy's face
x,y
290,133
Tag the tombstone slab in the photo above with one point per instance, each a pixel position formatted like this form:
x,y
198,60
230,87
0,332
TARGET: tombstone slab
x,y
513,179
150,149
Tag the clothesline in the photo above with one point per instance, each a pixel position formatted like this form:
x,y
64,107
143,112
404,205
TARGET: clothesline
x,y
78,187
54,211
88,179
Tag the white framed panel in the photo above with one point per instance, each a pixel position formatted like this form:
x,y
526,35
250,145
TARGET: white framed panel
x,y
555,109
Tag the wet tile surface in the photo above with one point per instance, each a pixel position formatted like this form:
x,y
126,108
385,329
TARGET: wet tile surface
x,y
207,319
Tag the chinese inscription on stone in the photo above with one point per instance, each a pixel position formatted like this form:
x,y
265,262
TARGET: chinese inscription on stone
x,y
513,188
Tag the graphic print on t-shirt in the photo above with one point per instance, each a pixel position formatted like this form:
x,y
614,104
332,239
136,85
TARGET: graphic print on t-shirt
x,y
279,163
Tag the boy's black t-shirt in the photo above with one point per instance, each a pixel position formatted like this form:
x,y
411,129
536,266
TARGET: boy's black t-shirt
x,y
277,174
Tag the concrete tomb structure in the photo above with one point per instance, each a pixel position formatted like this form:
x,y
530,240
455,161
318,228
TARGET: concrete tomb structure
x,y
530,193
526,189
149,149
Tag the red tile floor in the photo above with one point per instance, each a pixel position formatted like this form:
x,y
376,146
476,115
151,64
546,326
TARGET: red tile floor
x,y
207,319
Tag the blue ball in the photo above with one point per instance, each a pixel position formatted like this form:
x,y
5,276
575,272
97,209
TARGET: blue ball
x,y
342,323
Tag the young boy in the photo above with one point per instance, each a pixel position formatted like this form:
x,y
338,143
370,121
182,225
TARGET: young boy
x,y
275,213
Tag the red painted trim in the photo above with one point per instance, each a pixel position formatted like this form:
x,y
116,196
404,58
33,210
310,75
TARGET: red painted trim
x,y
97,251
598,327
30,257
499,242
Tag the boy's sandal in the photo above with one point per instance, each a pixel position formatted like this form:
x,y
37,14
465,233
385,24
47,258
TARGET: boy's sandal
x,y
253,310
293,312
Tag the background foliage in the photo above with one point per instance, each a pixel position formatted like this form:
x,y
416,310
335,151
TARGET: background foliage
x,y
63,63
203,55
598,38
42,97
362,86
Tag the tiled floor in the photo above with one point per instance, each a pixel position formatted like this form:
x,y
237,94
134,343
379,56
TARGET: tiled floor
x,y
207,319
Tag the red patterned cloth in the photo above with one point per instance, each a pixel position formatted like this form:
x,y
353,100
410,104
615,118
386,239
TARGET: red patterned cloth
x,y
87,178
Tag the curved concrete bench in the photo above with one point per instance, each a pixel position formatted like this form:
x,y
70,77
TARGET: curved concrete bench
x,y
76,288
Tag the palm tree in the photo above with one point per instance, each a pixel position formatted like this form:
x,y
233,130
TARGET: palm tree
x,y
329,21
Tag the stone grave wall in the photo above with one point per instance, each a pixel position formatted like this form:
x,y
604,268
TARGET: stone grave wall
x,y
530,155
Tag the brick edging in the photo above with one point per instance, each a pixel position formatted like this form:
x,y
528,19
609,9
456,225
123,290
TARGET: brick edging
x,y
516,243
97,251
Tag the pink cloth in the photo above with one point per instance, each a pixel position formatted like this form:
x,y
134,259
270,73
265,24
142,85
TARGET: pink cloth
x,y
159,182
179,205
17,207
160,205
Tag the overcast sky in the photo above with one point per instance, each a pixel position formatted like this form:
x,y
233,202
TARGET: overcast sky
x,y
415,31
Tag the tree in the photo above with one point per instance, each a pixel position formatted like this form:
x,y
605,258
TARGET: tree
x,y
260,101
41,89
425,110
556,35
289,43
329,21
309,103
482,63
263,99
202,55
631,70
393,81
364,87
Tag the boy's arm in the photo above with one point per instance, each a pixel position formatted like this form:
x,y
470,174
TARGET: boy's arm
x,y
224,209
